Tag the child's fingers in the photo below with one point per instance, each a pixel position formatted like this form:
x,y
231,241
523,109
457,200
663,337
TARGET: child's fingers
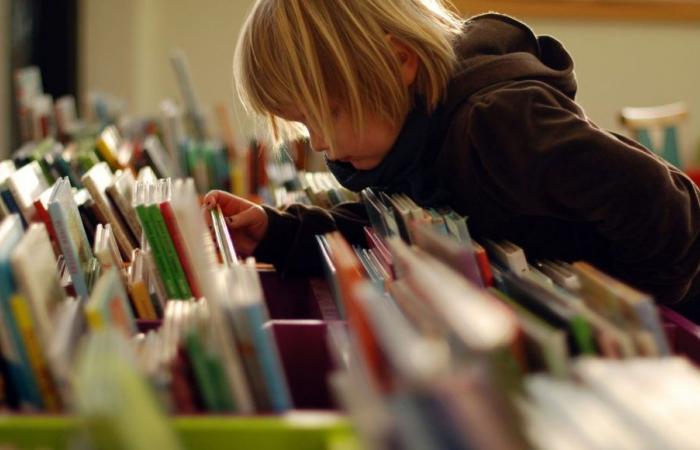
x,y
206,214
229,203
244,219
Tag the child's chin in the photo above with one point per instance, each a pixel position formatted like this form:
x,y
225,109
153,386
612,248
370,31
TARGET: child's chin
x,y
364,164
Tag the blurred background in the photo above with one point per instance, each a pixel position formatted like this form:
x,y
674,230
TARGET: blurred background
x,y
626,53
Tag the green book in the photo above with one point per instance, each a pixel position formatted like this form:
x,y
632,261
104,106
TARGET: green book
x,y
171,257
159,255
200,367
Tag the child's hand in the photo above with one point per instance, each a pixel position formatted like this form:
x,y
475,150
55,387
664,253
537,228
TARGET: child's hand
x,y
246,220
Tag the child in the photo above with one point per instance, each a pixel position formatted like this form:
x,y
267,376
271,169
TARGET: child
x,y
479,115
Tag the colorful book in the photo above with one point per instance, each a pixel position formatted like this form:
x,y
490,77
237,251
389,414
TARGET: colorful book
x,y
71,235
26,185
35,269
35,353
183,253
11,341
121,192
96,181
108,305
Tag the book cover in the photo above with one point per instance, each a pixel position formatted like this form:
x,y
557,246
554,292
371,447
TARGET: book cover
x,y
71,235
109,305
26,184
35,268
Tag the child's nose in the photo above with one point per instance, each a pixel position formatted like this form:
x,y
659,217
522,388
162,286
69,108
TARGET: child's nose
x,y
317,142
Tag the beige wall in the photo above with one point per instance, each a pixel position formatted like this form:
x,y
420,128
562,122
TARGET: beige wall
x,y
126,46
633,64
5,103
127,42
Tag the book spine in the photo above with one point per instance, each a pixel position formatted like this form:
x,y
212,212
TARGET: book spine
x,y
94,317
171,256
105,153
126,211
205,384
44,216
158,253
141,301
180,247
482,260
12,205
103,210
41,371
20,370
268,358
68,249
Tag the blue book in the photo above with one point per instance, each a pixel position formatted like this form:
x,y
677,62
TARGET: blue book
x,y
268,358
14,352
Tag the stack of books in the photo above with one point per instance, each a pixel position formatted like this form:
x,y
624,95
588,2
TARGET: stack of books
x,y
438,324
287,184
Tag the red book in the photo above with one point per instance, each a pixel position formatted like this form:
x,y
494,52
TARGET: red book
x,y
382,251
484,267
40,205
176,236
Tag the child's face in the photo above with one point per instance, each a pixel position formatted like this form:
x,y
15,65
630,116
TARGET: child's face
x,y
364,151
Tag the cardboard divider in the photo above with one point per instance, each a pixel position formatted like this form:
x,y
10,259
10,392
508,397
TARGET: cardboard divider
x,y
300,310
292,297
683,335
307,361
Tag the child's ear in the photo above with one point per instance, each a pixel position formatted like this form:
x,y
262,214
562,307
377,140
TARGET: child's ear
x,y
408,60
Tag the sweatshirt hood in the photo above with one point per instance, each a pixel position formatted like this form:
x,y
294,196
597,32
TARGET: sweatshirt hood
x,y
495,48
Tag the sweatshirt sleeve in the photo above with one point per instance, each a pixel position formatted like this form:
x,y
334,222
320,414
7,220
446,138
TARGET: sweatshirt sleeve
x,y
544,157
290,242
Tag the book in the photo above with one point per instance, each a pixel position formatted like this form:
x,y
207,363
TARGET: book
x,y
223,239
35,353
108,305
71,235
638,307
110,148
25,185
12,345
41,205
119,407
508,255
546,343
195,234
249,317
458,254
138,284
107,252
121,192
96,181
34,267
147,199
183,254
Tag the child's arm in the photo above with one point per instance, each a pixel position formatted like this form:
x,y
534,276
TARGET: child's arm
x,y
541,150
290,242
286,238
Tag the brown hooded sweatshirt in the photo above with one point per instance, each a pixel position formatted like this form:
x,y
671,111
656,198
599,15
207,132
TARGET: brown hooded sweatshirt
x,y
510,148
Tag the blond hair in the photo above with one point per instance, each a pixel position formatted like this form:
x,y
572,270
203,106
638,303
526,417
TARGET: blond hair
x,y
305,53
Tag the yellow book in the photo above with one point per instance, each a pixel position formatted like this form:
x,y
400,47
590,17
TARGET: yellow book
x,y
142,301
25,323
94,318
108,146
